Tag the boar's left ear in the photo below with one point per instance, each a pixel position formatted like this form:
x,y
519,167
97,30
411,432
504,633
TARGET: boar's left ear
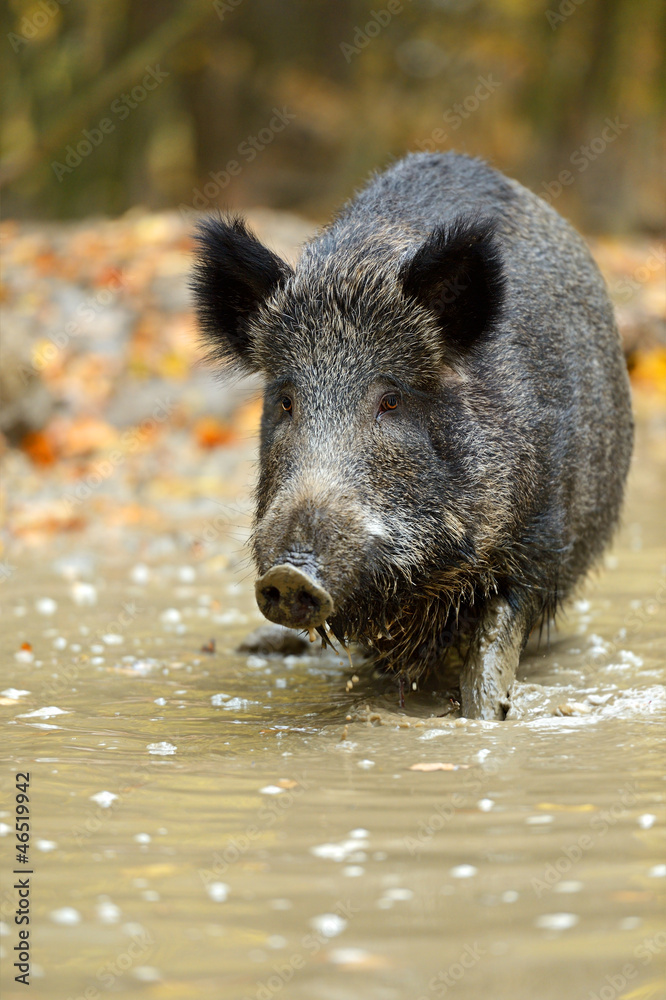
x,y
457,274
234,274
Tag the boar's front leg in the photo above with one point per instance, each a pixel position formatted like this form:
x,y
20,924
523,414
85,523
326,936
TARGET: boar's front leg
x,y
491,663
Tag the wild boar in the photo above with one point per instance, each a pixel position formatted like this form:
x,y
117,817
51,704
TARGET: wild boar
x,y
447,425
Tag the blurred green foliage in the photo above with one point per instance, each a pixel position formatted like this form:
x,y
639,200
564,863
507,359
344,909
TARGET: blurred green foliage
x,y
290,103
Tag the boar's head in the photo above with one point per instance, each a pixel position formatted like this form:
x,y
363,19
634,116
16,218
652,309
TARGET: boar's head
x,y
371,514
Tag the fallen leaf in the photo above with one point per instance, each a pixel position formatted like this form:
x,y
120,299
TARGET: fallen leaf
x,y
171,365
45,263
157,870
210,433
108,277
39,448
88,434
566,807
33,521
286,783
648,368
632,896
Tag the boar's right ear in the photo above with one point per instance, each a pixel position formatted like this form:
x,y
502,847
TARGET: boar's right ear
x,y
457,275
234,273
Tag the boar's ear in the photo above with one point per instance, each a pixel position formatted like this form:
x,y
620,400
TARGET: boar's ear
x,y
233,276
457,274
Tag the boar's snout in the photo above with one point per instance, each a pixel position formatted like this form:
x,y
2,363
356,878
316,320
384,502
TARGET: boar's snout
x,y
288,596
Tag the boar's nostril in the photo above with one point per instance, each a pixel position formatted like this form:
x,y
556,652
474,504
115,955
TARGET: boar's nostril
x,y
288,596
272,595
307,600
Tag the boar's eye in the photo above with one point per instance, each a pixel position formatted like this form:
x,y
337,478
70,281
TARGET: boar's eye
x,y
389,402
286,404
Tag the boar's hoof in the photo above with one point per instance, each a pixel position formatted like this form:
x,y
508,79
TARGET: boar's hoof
x,y
288,596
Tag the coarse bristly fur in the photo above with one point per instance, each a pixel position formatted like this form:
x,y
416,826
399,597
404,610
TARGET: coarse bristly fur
x,y
467,301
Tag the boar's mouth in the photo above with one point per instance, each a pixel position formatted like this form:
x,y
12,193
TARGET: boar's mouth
x,y
287,595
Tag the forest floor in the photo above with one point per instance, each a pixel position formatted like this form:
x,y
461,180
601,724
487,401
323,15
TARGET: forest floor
x,y
111,421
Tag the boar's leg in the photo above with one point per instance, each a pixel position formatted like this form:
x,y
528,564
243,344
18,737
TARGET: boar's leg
x,y
491,663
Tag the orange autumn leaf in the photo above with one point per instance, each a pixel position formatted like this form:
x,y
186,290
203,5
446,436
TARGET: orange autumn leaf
x,y
648,368
109,277
35,523
45,263
39,448
566,806
87,434
210,433
133,513
171,365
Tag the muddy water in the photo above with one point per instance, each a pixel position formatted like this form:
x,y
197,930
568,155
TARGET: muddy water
x,y
218,825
